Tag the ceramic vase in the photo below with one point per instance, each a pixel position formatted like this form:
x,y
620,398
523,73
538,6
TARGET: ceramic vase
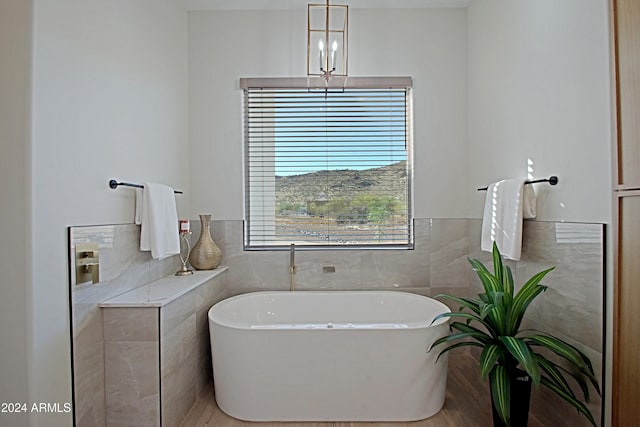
x,y
205,255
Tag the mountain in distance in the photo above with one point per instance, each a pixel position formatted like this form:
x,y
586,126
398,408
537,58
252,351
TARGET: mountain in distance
x,y
390,180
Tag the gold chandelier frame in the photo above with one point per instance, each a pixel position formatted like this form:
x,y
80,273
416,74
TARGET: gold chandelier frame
x,y
327,40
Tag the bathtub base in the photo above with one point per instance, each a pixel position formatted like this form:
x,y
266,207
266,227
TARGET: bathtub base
x,y
335,380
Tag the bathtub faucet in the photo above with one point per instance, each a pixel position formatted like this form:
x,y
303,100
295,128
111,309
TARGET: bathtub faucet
x,y
292,268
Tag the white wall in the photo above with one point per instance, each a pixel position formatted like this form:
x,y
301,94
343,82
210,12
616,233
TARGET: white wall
x,y
539,89
109,101
427,44
15,80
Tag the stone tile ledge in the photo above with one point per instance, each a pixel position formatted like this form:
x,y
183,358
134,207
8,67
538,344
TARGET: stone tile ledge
x,y
162,291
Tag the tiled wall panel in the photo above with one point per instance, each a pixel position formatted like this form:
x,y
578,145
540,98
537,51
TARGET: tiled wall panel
x,y
571,308
132,388
122,268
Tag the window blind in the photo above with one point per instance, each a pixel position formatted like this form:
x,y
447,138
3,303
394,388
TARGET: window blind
x,y
328,167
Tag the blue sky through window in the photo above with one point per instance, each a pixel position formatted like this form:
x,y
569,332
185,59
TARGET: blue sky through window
x,y
340,131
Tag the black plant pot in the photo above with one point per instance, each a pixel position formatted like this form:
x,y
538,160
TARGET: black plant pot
x,y
520,384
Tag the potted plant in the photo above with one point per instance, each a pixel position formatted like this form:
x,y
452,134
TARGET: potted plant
x,y
511,357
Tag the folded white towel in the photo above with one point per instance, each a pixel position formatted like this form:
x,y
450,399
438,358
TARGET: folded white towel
x,y
158,218
529,202
139,202
503,213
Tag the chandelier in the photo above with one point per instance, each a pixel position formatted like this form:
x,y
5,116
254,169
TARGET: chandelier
x,y
327,39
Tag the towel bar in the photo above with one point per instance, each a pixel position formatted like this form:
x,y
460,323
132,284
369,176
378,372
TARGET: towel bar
x,y
552,180
114,184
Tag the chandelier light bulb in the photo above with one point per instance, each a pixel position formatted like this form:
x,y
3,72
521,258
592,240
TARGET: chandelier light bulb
x,y
334,48
321,54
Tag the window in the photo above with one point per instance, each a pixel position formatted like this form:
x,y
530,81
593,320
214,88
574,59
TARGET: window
x,y
328,167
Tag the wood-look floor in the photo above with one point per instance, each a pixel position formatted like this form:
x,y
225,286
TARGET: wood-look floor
x,y
467,405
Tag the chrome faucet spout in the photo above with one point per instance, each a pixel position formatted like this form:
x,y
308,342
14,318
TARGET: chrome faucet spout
x,y
292,267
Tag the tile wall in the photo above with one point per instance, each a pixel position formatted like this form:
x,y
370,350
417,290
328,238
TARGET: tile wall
x,y
158,359
185,350
122,268
571,308
132,389
437,263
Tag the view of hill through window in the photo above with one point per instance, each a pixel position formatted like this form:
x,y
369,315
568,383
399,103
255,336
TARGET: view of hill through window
x,y
344,206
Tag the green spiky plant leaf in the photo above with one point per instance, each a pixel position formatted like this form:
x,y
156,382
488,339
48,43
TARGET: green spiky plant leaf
x,y
492,322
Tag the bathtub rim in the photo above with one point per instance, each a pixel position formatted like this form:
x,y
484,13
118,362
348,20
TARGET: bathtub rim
x,y
248,327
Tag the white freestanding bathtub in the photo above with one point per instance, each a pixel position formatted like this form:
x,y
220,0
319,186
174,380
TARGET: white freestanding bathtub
x,y
328,356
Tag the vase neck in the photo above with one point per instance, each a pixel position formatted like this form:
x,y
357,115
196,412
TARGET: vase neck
x,y
205,222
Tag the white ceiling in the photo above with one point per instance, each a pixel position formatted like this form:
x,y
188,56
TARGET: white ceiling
x,y
302,4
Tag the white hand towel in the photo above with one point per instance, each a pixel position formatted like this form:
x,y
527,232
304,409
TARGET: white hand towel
x,y
502,219
159,221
